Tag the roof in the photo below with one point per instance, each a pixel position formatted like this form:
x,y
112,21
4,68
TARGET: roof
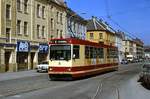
x,y
98,25
59,2
93,24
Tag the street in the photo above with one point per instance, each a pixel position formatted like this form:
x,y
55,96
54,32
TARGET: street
x,y
120,84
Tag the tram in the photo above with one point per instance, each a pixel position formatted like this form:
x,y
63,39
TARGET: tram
x,y
72,58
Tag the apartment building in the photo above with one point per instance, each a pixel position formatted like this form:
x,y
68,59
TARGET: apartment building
x,y
130,47
99,32
57,18
139,48
25,28
76,25
119,45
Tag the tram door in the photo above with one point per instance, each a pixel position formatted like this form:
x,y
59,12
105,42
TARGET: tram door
x,y
7,58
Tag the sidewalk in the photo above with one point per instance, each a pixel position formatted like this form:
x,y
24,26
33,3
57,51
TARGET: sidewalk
x,y
21,74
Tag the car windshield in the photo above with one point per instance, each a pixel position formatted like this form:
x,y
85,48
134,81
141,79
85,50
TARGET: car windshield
x,y
60,52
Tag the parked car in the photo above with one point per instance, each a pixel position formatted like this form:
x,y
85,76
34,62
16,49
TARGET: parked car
x,y
43,67
145,75
124,61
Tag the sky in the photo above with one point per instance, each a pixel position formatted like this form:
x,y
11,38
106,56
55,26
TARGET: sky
x,y
130,16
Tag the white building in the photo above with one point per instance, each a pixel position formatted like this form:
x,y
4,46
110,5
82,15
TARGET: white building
x,y
119,44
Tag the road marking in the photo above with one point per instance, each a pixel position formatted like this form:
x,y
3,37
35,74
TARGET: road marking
x,y
17,96
99,89
118,93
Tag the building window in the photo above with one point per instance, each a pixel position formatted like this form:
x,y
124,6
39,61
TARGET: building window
x,y
61,21
76,54
57,17
91,36
26,6
19,5
38,31
25,28
61,33
100,36
43,31
19,27
43,12
38,10
8,12
7,34
57,33
52,24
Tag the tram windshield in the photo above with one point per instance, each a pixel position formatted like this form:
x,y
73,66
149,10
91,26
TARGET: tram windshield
x,y
60,52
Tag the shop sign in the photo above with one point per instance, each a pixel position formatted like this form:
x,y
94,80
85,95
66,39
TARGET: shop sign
x,y
23,46
43,48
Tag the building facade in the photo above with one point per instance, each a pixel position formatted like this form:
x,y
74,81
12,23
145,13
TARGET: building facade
x,y
129,48
57,18
76,25
139,48
25,28
147,52
99,32
119,45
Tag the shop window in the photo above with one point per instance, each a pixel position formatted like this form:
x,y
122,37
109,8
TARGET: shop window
x,y
76,50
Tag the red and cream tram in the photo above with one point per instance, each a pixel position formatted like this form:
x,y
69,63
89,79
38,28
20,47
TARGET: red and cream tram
x,y
73,58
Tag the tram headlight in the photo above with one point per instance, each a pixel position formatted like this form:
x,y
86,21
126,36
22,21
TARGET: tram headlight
x,y
50,69
69,69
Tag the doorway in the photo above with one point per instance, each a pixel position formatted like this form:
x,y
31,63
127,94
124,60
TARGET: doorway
x,y
7,60
32,59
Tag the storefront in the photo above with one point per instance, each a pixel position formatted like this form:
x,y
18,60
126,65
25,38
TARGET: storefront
x,y
43,52
23,49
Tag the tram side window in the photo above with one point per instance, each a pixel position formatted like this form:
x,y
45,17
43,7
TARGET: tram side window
x,y
108,53
101,52
87,52
76,50
91,52
111,53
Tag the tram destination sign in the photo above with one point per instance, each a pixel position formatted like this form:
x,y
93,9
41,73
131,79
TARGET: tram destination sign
x,y
23,46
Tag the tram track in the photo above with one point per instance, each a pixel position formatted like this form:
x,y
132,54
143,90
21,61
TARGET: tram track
x,y
105,79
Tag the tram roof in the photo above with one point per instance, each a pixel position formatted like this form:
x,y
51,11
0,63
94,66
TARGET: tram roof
x,y
79,42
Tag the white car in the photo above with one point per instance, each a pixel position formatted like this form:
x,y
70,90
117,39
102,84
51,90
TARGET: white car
x,y
43,67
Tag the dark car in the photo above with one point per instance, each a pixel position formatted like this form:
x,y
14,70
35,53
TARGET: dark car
x,y
145,75
124,61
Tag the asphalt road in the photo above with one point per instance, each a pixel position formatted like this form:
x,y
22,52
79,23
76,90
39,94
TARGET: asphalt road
x,y
120,84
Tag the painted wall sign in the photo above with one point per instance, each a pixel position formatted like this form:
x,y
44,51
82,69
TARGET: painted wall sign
x,y
43,48
23,46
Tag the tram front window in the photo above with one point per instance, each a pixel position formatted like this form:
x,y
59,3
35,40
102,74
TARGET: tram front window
x,y
60,52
